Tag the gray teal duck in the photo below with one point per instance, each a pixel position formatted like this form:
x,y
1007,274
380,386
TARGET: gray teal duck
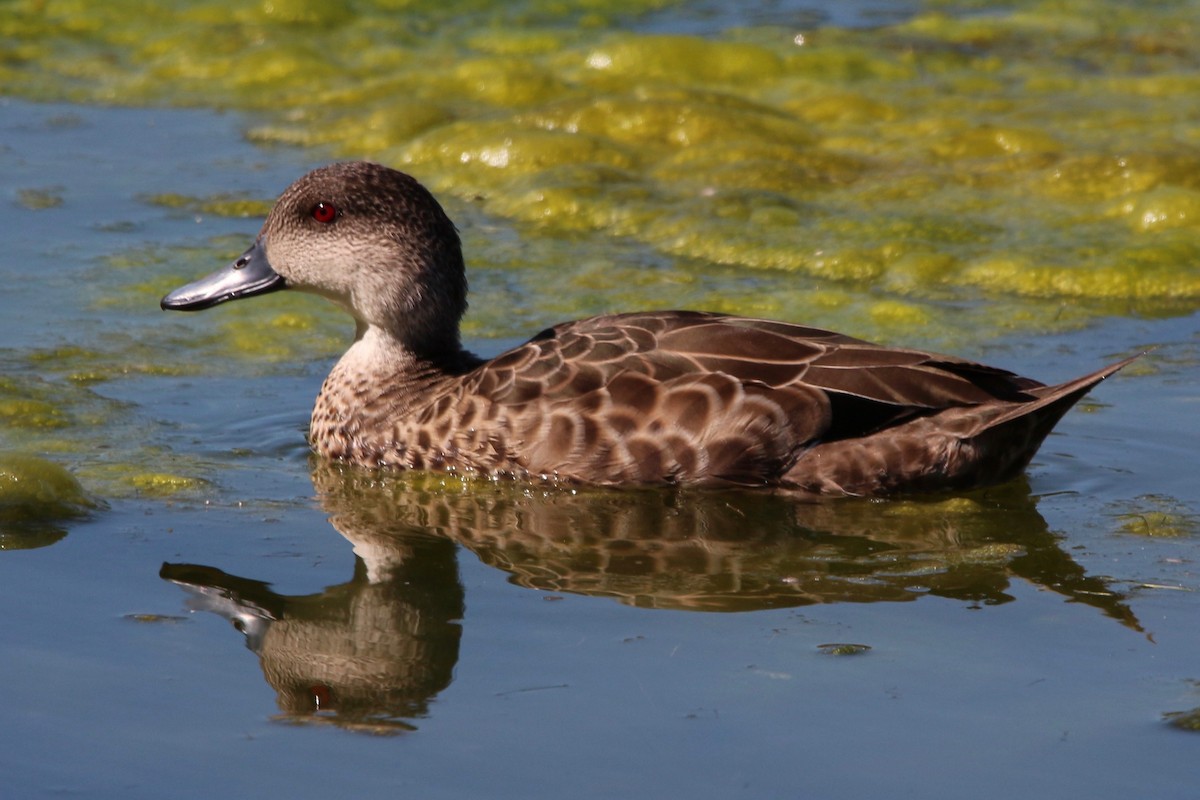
x,y
645,398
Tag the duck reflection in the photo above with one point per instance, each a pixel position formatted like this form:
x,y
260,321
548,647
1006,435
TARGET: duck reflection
x,y
371,653
720,551
368,654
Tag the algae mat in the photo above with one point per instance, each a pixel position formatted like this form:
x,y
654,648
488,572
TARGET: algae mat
x,y
1041,156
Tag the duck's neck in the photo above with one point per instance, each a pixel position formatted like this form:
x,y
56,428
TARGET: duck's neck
x,y
377,382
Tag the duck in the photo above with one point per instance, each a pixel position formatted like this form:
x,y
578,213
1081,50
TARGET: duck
x,y
646,398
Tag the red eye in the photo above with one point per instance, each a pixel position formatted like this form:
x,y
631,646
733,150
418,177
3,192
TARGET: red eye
x,y
324,212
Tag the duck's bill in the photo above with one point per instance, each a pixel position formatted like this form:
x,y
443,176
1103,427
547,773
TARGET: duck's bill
x,y
251,274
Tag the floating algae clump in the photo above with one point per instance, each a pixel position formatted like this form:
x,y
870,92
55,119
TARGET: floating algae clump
x,y
36,496
696,60
33,487
1157,516
1184,720
221,205
162,484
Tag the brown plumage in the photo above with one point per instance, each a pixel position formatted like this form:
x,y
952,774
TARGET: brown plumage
x,y
669,397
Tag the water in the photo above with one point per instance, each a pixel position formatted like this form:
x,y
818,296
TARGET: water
x,y
408,635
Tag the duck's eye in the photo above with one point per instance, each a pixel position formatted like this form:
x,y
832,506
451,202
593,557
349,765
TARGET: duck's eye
x,y
324,212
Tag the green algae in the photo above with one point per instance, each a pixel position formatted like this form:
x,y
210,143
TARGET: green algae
x,y
58,414
221,205
37,498
32,408
1157,517
40,199
685,59
1184,720
1159,209
1038,157
843,649
163,484
33,487
28,413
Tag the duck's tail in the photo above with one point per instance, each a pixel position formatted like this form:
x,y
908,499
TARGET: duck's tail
x,y
1053,402
1007,441
959,448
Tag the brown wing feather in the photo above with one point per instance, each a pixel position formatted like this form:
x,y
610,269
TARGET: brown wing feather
x,y
780,354
694,397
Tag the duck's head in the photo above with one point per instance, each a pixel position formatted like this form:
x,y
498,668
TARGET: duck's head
x,y
368,237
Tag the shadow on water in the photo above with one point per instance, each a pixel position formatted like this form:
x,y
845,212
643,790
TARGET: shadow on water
x,y
371,653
